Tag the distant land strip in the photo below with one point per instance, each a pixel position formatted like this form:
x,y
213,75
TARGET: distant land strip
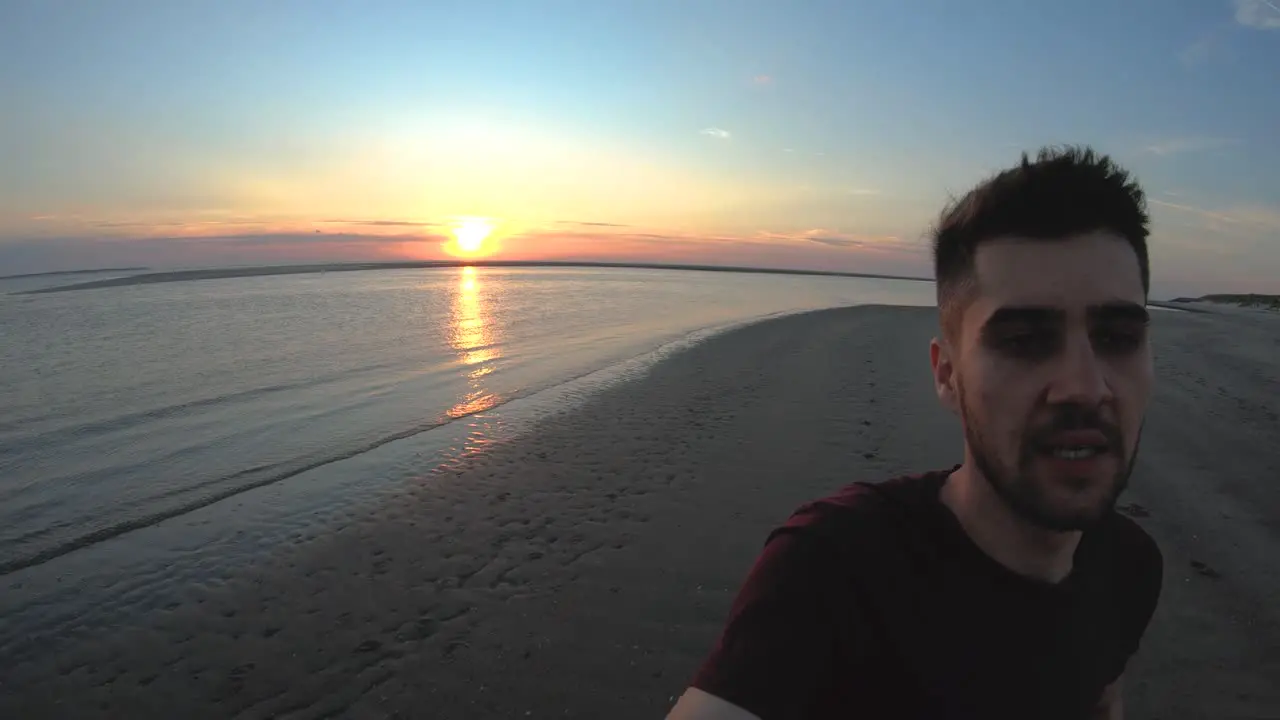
x,y
1255,300
213,274
51,273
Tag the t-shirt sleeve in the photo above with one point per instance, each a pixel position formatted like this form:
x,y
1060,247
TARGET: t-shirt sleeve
x,y
1152,573
1145,577
778,650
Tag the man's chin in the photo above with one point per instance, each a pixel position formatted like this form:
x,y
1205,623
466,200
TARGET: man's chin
x,y
1074,494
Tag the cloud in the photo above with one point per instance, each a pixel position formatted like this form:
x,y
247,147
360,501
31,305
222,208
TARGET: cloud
x,y
590,224
1201,212
716,132
1209,47
168,223
762,80
383,223
304,239
817,249
1247,218
1178,146
1258,14
840,242
862,191
834,239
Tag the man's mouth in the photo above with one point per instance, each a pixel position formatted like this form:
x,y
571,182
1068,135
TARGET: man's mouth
x,y
1077,452
1076,445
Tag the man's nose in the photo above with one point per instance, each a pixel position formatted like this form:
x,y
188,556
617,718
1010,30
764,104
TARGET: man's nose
x,y
1080,376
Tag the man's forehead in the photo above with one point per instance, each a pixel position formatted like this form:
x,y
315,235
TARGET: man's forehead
x,y
1069,274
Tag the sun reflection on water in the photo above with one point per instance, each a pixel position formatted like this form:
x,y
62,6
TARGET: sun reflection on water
x,y
473,336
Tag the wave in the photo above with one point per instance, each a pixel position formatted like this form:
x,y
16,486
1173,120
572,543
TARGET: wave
x,y
621,370
128,420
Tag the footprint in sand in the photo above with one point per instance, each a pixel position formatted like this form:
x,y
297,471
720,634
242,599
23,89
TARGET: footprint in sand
x,y
1205,570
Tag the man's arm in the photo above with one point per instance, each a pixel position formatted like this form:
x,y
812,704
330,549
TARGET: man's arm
x,y
698,705
776,653
1110,705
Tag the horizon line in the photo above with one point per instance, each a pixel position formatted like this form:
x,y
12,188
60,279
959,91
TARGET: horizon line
x,y
270,270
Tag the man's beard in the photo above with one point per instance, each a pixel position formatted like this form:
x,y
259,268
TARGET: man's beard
x,y
1030,499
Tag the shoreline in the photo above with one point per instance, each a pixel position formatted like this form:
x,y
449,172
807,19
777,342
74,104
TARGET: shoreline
x,y
584,569
514,411
90,271
298,502
264,271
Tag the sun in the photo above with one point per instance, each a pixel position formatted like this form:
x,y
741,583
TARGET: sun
x,y
469,235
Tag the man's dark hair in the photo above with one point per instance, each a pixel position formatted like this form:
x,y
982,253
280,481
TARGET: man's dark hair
x,y
1066,191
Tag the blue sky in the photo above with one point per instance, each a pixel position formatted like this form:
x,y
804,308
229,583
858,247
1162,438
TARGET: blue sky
x,y
798,134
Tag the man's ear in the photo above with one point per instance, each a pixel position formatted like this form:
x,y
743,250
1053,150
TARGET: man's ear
x,y
944,374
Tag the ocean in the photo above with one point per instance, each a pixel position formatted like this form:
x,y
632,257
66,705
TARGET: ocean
x,y
192,422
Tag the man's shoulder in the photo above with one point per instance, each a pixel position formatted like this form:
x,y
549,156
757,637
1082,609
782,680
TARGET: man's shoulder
x,y
1129,550
867,510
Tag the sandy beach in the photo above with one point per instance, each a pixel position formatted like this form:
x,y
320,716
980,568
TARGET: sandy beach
x,y
584,569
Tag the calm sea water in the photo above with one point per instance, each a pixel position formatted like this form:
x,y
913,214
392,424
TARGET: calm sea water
x,y
125,407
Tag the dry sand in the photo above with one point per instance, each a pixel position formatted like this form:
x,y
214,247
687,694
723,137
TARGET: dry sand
x,y
584,570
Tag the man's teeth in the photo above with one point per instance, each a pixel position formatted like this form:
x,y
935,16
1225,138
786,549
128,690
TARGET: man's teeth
x,y
1075,453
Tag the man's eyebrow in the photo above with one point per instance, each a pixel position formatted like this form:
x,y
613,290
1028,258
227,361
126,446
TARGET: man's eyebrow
x,y
1115,311
1119,310
1026,315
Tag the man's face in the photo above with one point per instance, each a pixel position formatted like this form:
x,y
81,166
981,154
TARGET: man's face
x,y
1050,371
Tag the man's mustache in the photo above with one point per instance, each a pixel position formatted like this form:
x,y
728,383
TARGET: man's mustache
x,y
1067,418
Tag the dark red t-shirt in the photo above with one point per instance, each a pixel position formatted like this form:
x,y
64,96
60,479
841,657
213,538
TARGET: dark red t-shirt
x,y
874,603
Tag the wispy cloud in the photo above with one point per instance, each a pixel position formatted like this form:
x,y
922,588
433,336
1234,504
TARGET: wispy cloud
x,y
716,132
382,223
1199,52
302,239
1178,146
169,223
762,80
1202,212
590,224
834,239
1258,14
812,249
1244,218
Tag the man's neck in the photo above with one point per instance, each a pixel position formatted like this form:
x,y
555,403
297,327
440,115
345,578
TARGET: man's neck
x,y
1002,534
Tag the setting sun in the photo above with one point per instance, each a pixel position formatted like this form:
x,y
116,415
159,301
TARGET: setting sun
x,y
470,234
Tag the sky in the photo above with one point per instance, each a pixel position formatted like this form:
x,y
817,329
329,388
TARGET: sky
x,y
818,134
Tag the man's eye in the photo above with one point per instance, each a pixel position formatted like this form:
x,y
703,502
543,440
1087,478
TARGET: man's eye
x,y
1118,340
1028,343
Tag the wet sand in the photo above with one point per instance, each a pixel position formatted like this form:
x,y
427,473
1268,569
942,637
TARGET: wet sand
x,y
585,569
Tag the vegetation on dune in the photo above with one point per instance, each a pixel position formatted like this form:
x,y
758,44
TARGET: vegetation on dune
x,y
1267,302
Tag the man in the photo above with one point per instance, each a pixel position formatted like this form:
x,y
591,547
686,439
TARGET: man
x,y
1007,586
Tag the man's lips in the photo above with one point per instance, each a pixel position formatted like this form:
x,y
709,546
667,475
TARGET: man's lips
x,y
1077,438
